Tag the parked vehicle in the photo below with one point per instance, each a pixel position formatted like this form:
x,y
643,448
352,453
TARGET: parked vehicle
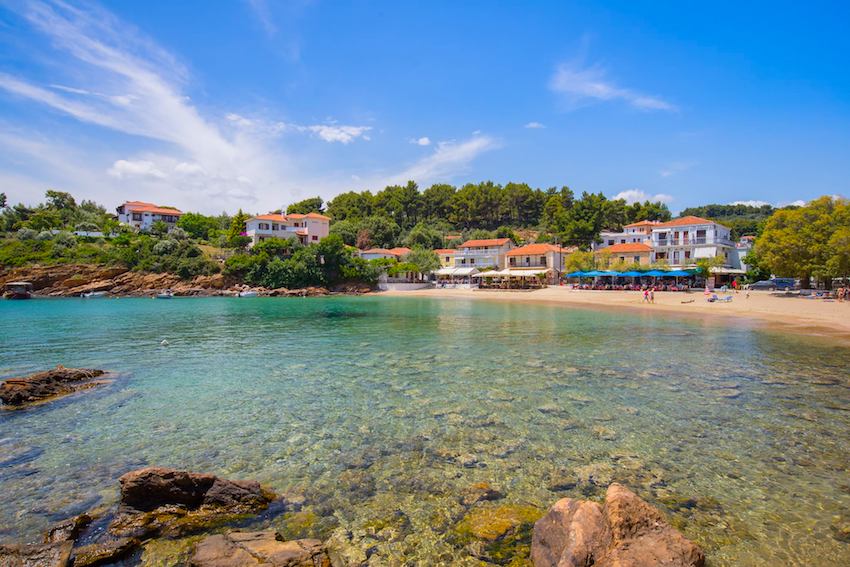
x,y
774,284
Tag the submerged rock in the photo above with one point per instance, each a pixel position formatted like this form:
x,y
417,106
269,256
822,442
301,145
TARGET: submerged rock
x,y
498,534
20,392
160,501
67,530
624,532
267,548
39,555
104,552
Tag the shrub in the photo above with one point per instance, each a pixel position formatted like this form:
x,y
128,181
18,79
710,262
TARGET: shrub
x,y
165,247
27,234
44,235
65,239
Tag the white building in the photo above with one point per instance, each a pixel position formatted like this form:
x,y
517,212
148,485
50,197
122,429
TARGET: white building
x,y
681,242
378,253
308,229
544,259
490,252
141,215
635,233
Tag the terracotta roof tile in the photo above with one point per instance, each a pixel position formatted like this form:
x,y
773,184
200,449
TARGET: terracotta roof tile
x,y
627,247
485,242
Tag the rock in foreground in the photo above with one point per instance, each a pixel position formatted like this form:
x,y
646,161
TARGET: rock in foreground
x,y
20,392
267,548
624,532
160,501
40,555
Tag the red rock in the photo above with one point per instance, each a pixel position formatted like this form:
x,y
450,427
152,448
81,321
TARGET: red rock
x,y
41,555
267,548
625,532
36,388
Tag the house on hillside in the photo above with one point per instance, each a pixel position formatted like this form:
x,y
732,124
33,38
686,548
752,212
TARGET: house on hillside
x,y
391,253
308,229
141,215
488,252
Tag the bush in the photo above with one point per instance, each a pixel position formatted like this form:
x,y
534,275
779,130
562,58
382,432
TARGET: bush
x,y
165,247
27,234
65,239
196,266
239,265
44,235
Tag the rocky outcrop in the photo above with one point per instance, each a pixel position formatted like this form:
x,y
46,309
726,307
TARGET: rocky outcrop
x,y
105,552
37,388
624,532
302,292
68,530
40,555
159,501
73,280
267,548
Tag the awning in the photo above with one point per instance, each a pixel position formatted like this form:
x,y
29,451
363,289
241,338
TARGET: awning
x,y
656,273
721,270
706,252
525,273
460,272
493,274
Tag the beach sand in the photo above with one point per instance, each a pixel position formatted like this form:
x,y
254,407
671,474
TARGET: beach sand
x,y
775,311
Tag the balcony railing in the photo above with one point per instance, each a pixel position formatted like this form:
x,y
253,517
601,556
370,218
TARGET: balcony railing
x,y
661,242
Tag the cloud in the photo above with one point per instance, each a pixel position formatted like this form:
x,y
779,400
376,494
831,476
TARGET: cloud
x,y
676,167
750,203
447,160
140,168
637,196
260,9
423,141
534,125
342,134
581,84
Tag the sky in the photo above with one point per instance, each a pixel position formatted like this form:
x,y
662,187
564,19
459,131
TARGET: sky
x,y
254,104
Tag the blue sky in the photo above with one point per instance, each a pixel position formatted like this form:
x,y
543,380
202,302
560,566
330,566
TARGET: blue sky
x,y
212,106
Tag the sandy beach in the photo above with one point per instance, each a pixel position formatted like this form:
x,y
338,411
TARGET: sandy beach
x,y
788,313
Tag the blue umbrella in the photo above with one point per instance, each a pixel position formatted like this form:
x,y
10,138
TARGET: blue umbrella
x,y
631,274
594,273
576,275
678,273
655,273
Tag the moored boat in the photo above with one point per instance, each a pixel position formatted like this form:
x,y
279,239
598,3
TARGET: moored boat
x,y
93,294
248,293
167,294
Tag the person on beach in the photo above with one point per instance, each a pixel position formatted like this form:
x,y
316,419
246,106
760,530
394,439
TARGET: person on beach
x,y
646,295
735,285
652,294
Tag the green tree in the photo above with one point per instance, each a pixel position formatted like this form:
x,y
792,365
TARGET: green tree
x,y
351,205
311,205
437,202
423,236
159,228
60,200
2,200
197,225
424,259
347,229
235,231
403,204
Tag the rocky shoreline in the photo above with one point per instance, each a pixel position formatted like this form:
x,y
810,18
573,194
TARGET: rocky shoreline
x,y
75,280
166,504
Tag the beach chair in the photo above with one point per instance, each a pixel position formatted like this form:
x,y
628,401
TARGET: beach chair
x,y
726,299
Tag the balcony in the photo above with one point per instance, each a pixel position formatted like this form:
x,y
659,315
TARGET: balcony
x,y
663,242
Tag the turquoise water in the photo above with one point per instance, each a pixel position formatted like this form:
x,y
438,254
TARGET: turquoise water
x,y
376,407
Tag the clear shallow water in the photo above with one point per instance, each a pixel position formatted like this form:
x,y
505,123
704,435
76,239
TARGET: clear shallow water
x,y
376,408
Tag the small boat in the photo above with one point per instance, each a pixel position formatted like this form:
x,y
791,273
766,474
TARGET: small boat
x,y
18,290
248,293
94,294
167,294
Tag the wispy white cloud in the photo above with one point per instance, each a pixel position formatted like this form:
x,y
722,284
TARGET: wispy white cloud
x,y
260,9
423,141
638,196
534,125
676,167
581,84
135,88
750,203
446,161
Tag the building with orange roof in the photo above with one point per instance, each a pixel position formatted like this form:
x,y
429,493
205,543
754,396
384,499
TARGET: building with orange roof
x,y
541,258
637,253
482,253
141,215
389,253
446,256
683,241
308,229
636,232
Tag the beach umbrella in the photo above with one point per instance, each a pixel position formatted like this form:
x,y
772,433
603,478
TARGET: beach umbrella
x,y
678,273
632,274
655,273
576,274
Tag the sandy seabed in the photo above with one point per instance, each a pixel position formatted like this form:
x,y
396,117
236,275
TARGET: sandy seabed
x,y
778,311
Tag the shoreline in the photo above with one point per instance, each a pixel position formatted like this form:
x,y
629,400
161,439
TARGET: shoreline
x,y
813,318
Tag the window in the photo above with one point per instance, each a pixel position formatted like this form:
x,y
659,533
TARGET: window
x,y
610,243
512,261
275,226
137,216
314,237
472,260
622,241
687,254
636,259
264,226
